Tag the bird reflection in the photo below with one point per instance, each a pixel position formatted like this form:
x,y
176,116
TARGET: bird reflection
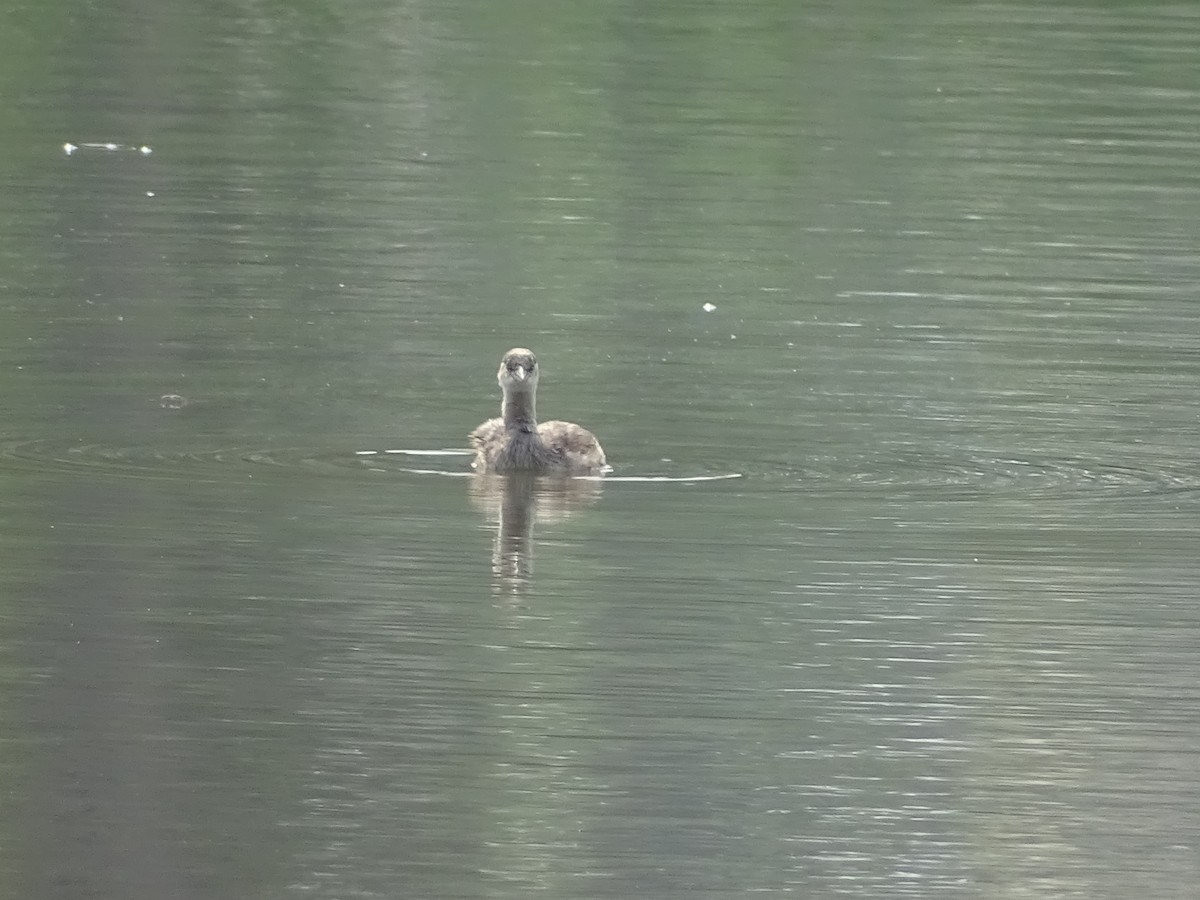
x,y
515,503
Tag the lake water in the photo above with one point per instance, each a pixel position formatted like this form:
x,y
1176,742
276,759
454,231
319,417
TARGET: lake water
x,y
924,278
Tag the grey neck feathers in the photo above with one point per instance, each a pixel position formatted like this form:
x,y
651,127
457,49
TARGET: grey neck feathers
x,y
518,411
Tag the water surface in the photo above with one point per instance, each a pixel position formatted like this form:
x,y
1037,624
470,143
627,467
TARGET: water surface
x,y
924,280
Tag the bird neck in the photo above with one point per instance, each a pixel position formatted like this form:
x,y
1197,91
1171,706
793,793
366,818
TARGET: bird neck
x,y
518,411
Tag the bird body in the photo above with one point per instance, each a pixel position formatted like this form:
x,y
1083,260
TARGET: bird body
x,y
516,442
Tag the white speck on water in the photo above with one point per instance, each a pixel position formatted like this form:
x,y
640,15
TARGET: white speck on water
x,y
708,307
69,148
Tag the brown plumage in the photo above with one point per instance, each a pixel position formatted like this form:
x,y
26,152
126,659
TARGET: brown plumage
x,y
515,442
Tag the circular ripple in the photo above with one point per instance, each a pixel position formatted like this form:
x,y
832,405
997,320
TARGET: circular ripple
x,y
128,462
908,474
1034,477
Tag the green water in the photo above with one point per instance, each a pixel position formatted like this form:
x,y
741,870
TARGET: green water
x,y
923,277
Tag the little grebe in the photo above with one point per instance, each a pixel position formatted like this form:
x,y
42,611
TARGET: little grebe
x,y
515,442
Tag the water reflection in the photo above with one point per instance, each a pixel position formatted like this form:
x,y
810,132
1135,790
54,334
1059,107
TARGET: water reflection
x,y
515,503
926,277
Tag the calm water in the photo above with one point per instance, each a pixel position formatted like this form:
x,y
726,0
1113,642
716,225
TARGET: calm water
x,y
925,278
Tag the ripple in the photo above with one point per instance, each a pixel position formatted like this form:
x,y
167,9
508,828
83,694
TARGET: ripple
x,y
1033,477
79,456
910,474
141,462
214,465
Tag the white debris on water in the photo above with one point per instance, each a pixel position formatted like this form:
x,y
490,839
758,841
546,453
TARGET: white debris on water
x,y
109,146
